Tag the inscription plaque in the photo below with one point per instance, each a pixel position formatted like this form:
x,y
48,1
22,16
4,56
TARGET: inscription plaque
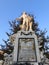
x,y
26,50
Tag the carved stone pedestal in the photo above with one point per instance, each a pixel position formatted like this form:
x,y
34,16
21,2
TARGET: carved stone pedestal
x,y
26,48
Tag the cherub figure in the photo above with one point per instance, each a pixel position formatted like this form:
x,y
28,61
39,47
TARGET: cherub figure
x,y
26,21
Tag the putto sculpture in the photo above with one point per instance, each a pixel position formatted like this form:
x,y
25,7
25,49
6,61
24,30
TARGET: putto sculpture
x,y
27,21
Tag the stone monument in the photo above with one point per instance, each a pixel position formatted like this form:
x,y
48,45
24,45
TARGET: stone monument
x,y
25,42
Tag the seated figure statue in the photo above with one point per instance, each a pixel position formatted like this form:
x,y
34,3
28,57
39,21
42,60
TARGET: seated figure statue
x,y
26,21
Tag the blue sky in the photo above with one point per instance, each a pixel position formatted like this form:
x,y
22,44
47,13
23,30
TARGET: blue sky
x,y
11,9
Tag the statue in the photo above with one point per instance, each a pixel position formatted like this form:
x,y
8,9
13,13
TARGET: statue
x,y
26,21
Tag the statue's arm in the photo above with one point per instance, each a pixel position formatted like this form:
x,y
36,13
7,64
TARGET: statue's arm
x,y
19,18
